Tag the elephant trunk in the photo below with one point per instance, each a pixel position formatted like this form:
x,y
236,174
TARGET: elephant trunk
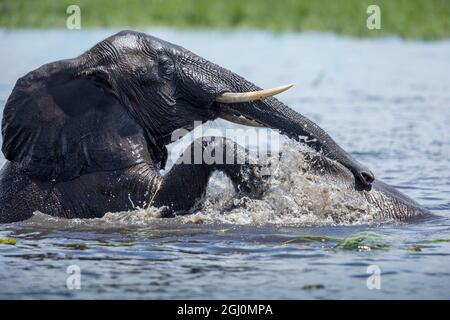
x,y
268,112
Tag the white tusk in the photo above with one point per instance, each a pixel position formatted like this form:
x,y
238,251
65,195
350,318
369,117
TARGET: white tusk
x,y
237,97
240,120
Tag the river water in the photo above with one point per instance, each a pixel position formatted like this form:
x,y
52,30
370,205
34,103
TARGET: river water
x,y
386,101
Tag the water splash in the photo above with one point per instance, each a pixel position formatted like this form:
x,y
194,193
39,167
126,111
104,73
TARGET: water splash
x,y
122,219
294,196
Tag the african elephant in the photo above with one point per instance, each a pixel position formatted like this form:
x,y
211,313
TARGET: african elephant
x,y
88,135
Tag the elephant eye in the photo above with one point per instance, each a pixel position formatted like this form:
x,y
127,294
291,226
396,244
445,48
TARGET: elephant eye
x,y
166,67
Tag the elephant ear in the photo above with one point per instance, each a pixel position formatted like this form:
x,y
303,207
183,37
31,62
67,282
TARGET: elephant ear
x,y
58,126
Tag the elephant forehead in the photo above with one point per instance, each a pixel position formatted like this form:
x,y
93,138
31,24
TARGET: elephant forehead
x,y
131,41
137,42
127,42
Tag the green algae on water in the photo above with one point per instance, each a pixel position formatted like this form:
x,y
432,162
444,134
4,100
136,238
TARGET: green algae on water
x,y
415,249
434,241
418,248
10,241
363,241
311,238
313,286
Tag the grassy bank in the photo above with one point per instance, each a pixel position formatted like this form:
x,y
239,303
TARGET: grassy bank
x,y
425,19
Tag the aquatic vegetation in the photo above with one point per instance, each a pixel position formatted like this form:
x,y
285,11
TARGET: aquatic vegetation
x,y
313,286
434,241
312,238
419,248
362,241
11,241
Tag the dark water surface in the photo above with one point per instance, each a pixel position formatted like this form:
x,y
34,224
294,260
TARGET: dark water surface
x,y
386,101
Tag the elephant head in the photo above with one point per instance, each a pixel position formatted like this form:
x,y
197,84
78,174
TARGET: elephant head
x,y
155,88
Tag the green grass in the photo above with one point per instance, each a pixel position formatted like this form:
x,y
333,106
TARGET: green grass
x,y
424,19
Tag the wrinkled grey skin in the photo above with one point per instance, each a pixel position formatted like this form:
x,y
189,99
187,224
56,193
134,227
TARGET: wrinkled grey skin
x,y
88,135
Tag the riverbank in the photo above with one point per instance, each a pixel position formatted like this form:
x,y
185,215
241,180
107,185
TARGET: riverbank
x,y
418,19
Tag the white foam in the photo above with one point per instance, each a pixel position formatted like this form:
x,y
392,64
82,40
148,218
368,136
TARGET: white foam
x,y
295,196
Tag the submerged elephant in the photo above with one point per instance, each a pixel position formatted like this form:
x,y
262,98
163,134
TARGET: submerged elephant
x,y
88,135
